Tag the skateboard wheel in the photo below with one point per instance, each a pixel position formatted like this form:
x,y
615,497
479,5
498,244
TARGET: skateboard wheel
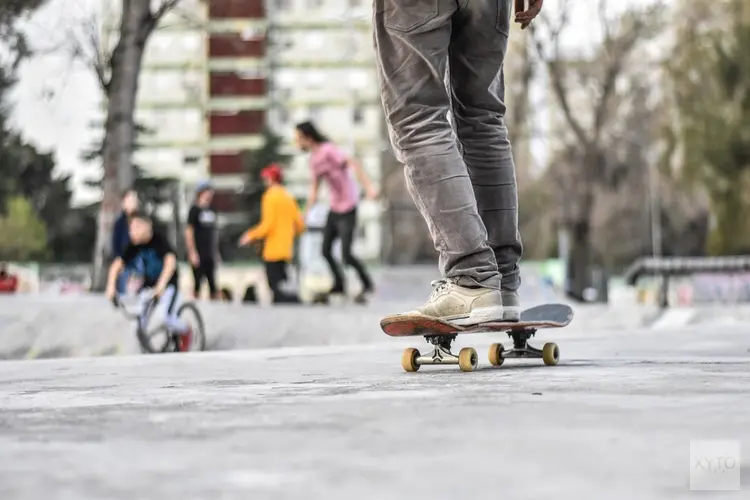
x,y
409,360
496,354
468,359
550,354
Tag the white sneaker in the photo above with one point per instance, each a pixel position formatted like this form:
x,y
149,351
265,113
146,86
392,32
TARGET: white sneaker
x,y
511,306
462,305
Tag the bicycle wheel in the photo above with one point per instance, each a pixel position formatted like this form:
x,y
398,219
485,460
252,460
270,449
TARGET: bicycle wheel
x,y
188,312
153,341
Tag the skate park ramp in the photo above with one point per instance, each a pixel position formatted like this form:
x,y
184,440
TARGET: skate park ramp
x,y
49,326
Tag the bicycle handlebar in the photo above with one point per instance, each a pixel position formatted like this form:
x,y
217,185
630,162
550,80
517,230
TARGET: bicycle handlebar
x,y
119,305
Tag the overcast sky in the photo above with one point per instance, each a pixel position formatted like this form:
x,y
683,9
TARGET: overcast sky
x,y
56,98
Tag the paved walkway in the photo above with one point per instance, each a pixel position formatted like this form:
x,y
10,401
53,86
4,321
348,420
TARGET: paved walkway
x,y
613,421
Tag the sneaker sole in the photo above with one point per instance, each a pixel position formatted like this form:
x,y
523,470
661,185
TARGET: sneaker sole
x,y
479,315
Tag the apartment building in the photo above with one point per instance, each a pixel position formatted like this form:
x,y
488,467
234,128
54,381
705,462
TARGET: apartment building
x,y
322,68
202,94
216,72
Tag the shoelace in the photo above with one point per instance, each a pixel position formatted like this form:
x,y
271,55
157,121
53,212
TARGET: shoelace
x,y
442,284
438,286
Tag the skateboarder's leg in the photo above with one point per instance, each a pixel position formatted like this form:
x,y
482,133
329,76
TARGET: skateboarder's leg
x,y
412,45
330,233
478,49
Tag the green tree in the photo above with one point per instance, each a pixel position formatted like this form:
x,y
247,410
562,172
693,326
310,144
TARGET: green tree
x,y
710,86
23,234
28,173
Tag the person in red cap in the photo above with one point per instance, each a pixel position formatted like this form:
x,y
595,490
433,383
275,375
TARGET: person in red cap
x,y
280,222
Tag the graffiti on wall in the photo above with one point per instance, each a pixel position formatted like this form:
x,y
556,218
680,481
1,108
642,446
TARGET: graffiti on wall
x,y
722,288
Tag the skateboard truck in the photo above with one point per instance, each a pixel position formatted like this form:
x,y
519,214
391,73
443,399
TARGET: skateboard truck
x,y
550,353
441,354
467,359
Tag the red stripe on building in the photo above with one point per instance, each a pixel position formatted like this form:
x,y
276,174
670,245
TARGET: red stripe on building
x,y
233,9
241,123
235,45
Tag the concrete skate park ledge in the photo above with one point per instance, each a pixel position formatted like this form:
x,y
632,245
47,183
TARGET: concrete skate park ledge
x,y
39,326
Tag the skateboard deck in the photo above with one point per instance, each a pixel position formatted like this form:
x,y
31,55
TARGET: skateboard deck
x,y
543,316
442,333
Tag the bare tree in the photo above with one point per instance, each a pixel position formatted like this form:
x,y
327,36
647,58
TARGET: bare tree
x,y
117,71
520,69
588,91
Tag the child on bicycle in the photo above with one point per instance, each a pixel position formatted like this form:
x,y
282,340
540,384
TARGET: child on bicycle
x,y
159,264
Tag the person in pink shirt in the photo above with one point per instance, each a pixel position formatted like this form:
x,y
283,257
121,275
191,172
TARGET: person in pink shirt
x,y
331,165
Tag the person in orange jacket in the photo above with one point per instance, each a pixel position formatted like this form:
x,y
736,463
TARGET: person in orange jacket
x,y
280,222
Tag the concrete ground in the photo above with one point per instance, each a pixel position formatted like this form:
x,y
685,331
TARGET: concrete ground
x,y
613,421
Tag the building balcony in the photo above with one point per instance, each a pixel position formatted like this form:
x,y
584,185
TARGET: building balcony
x,y
292,61
248,28
230,182
304,21
250,67
229,144
233,103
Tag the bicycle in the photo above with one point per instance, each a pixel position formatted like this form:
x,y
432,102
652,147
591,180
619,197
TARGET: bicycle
x,y
171,341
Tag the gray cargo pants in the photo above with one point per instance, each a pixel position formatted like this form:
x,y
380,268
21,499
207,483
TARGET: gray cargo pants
x,y
468,200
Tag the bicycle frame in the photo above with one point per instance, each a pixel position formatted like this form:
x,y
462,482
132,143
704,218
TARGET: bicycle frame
x,y
142,316
141,319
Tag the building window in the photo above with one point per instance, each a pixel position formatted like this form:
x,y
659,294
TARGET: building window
x,y
191,159
282,5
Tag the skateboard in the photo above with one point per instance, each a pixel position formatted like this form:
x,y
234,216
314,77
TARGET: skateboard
x,y
442,333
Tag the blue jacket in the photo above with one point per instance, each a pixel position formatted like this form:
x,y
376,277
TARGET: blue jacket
x,y
120,235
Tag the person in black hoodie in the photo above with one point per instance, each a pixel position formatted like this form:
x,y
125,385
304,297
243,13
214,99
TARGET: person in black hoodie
x,y
120,234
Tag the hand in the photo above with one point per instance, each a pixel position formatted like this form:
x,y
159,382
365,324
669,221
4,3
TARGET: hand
x,y
194,259
525,17
371,193
243,241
